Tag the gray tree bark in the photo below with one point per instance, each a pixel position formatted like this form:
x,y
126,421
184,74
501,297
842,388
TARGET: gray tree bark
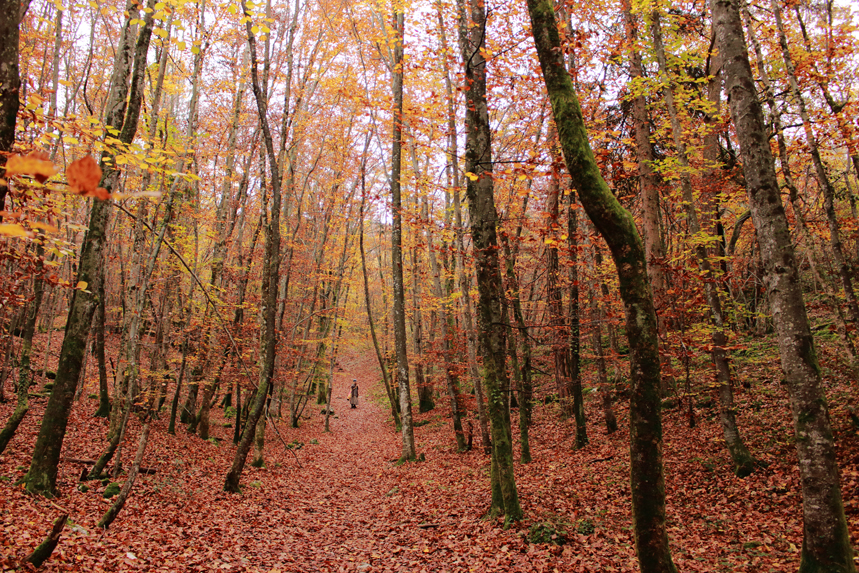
x,y
826,539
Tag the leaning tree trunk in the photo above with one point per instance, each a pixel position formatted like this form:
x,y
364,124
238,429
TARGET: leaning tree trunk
x,y
41,478
617,226
492,330
271,267
826,538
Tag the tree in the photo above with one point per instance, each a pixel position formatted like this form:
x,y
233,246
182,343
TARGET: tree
x,y
492,329
268,342
616,226
123,114
826,539
400,340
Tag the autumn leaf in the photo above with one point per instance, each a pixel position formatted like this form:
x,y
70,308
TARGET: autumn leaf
x,y
83,176
36,163
14,230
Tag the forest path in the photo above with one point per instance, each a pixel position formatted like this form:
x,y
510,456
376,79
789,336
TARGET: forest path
x,y
346,519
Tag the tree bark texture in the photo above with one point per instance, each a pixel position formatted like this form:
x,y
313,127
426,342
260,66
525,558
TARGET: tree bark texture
x,y
492,329
617,226
826,539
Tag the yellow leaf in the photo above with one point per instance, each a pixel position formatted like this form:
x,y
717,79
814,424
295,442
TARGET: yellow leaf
x,y
13,230
181,45
43,226
82,285
255,29
471,176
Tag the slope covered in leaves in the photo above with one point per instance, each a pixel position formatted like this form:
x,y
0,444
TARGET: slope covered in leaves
x,y
340,503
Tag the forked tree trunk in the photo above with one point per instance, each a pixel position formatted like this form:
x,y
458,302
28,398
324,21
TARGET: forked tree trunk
x,y
826,538
617,226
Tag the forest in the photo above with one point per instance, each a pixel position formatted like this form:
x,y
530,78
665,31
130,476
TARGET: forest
x,y
429,285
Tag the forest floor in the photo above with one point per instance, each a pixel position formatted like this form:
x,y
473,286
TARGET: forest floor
x,y
341,503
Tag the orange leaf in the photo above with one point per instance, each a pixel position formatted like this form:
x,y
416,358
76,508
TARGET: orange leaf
x,y
84,176
36,164
98,193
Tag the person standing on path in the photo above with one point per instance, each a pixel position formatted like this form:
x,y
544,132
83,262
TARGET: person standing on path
x,y
353,393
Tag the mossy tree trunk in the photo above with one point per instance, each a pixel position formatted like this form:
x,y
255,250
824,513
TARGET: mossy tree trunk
x,y
826,538
492,330
617,226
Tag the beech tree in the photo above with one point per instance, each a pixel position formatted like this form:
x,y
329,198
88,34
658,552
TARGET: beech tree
x,y
826,540
616,226
123,114
492,329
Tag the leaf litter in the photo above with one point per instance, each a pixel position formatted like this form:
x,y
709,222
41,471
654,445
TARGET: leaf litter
x,y
348,507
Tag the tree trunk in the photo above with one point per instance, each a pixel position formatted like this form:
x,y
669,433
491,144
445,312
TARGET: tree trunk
x,y
382,366
10,83
41,478
826,539
617,226
103,397
268,342
492,329
653,246
119,503
399,309
574,342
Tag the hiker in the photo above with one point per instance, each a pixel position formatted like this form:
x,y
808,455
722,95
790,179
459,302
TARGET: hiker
x,y
353,393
